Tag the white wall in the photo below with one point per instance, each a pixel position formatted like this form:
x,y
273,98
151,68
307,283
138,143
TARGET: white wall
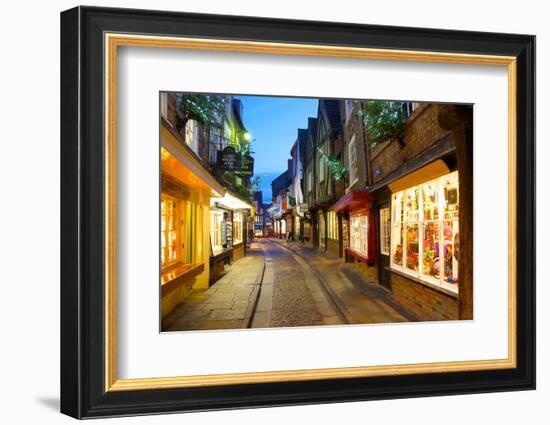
x,y
29,260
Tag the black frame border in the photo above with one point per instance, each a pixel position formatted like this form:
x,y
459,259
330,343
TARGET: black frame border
x,y
82,212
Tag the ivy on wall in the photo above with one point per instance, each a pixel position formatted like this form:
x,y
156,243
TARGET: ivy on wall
x,y
336,168
204,109
383,120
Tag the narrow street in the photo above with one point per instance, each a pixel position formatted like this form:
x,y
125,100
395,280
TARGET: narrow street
x,y
284,284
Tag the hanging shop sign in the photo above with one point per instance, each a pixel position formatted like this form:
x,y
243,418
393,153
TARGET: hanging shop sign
x,y
228,159
231,160
246,166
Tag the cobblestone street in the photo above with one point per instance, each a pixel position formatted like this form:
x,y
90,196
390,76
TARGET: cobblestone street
x,y
284,284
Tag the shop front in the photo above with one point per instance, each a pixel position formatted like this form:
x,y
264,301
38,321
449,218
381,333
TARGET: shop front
x,y
228,215
333,234
185,191
358,231
423,242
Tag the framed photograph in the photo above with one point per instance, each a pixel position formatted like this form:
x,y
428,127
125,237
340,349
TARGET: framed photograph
x,y
261,212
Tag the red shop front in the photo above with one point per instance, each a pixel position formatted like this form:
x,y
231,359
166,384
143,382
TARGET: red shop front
x,y
358,226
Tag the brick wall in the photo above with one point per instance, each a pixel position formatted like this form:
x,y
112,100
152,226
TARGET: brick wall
x,y
424,301
421,132
369,272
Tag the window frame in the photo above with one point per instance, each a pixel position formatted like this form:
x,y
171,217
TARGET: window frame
x,y
238,228
420,222
384,217
363,241
322,166
178,225
332,223
216,229
192,128
164,105
353,169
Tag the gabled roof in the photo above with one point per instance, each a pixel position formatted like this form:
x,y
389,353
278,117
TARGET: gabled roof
x,y
332,112
279,183
302,142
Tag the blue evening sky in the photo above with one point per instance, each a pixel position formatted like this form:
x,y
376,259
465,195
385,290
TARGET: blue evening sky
x,y
274,122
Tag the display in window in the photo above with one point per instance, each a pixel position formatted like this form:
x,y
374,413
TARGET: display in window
x,y
450,257
450,192
430,245
358,234
411,204
430,201
168,239
412,247
397,241
397,205
424,237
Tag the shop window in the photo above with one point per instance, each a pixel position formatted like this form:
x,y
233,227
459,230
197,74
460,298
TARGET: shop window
x,y
192,135
424,231
321,169
169,234
164,105
216,225
385,226
358,234
352,152
237,228
176,231
345,233
332,220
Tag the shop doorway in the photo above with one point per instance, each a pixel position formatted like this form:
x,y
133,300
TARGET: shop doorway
x,y
384,226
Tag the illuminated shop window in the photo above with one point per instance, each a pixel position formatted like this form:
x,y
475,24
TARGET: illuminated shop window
x,y
424,231
237,228
358,231
168,231
332,219
176,231
216,223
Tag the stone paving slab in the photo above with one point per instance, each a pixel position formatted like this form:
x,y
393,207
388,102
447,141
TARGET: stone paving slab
x,y
227,304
